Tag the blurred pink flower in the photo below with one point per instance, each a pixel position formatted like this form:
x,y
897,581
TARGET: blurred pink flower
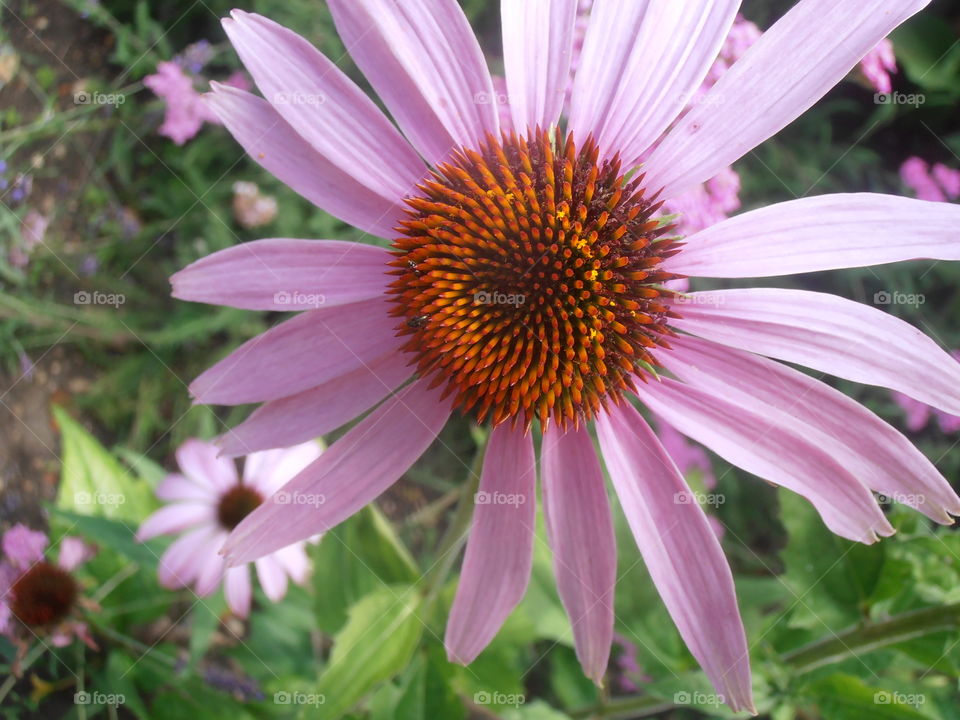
x,y
878,64
918,413
38,597
207,501
938,184
185,110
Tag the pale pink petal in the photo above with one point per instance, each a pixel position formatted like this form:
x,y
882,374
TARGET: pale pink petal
x,y
201,463
324,106
238,590
213,566
867,447
294,561
272,578
350,474
499,555
181,563
425,63
74,552
774,447
309,350
537,53
783,74
179,487
268,471
829,334
681,551
274,145
285,275
319,410
23,546
581,536
664,64
176,518
822,233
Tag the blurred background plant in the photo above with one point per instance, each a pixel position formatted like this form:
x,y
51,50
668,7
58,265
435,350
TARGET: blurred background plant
x,y
112,177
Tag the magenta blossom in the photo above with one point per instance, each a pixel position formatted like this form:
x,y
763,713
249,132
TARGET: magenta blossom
x,y
40,598
207,501
525,288
937,184
919,414
878,64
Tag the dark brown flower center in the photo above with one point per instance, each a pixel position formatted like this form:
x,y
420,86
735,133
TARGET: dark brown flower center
x,y
236,504
43,596
529,280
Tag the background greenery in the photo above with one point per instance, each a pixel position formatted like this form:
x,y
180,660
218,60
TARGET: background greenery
x,y
830,624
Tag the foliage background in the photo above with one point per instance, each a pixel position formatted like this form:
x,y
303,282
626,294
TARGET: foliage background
x,y
365,634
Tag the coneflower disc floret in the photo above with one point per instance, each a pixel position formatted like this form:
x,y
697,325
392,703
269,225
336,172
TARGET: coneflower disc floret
x,y
529,279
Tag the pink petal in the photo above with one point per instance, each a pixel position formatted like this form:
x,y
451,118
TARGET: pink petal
x,y
272,578
866,446
285,275
581,536
182,561
763,92
499,555
74,552
350,474
774,447
176,518
200,462
324,106
821,233
664,49
424,61
319,410
238,590
179,487
275,145
22,546
270,470
213,567
680,550
829,334
537,53
302,353
294,561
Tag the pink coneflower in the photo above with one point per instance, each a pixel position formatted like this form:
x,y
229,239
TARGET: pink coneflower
x,y
207,501
39,598
524,288
878,64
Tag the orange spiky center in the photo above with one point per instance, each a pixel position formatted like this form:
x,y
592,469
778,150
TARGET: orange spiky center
x,y
528,278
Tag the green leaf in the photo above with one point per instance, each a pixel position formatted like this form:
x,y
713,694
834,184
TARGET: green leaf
x,y
359,556
114,534
381,634
93,482
845,697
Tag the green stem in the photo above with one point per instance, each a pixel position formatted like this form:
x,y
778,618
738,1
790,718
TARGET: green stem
x,y
456,533
838,647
